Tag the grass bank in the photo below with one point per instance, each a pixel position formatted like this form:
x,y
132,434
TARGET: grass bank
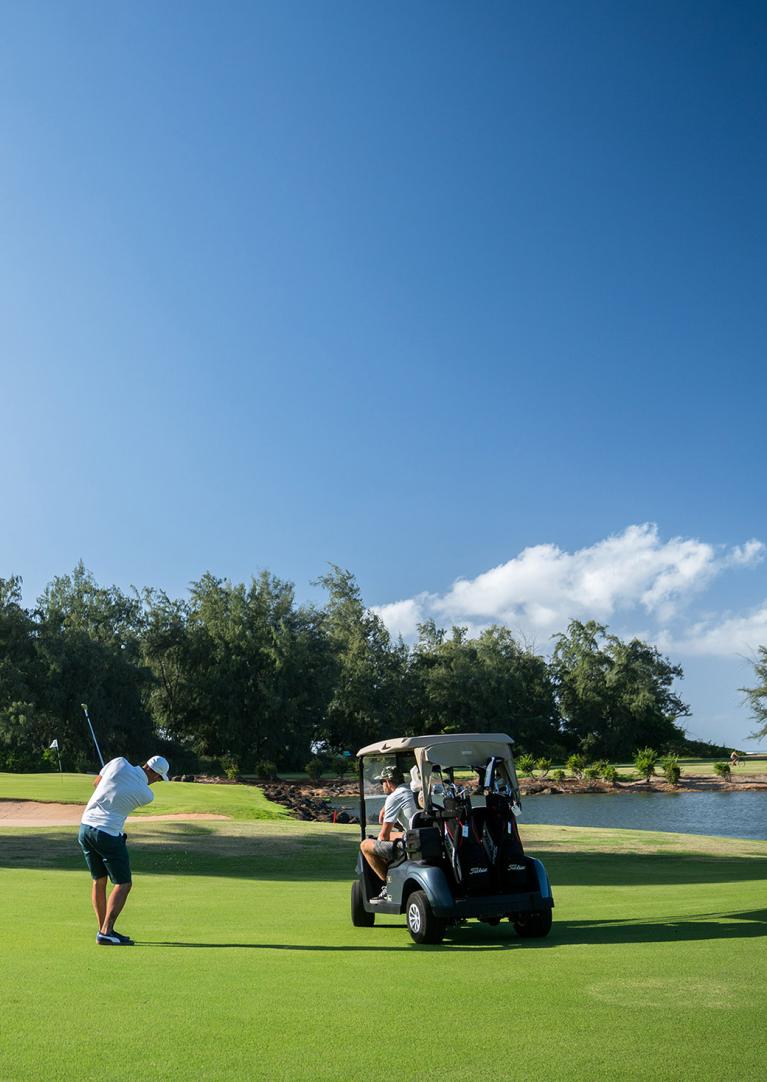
x,y
242,802
248,966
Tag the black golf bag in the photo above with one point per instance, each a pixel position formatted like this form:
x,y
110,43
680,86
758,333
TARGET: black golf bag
x,y
510,868
463,836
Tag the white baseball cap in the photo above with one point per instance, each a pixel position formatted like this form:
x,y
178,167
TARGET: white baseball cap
x,y
160,765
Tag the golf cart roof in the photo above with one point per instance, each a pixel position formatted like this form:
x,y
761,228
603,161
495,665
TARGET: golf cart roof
x,y
410,743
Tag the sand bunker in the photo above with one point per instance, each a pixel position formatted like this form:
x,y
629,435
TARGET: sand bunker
x,y
30,813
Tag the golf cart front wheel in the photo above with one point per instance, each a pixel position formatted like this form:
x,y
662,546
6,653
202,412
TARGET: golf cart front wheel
x,y
533,925
423,926
360,916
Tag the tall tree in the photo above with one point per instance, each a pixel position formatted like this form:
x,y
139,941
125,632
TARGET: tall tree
x,y
757,696
613,696
88,639
368,700
487,684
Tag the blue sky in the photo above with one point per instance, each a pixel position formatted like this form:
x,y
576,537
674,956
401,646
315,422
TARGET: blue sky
x,y
424,290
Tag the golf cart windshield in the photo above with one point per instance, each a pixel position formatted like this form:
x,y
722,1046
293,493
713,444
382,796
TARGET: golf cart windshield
x,y
487,765
372,794
430,763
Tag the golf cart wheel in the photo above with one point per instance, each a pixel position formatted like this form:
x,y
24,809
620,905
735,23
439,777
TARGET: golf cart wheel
x,y
360,916
423,926
533,925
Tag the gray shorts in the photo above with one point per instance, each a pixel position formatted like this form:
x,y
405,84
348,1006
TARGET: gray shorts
x,y
384,850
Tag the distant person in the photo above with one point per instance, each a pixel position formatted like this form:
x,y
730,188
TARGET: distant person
x,y
398,810
120,789
734,760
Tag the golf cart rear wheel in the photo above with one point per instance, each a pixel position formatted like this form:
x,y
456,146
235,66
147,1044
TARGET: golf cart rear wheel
x,y
423,926
533,925
360,916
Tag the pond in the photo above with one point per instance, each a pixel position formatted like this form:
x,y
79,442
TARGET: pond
x,y
729,814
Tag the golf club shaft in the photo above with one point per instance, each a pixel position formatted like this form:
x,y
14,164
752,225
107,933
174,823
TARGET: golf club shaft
x,y
95,741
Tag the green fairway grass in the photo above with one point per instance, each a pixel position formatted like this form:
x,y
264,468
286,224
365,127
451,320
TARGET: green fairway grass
x,y
247,965
236,801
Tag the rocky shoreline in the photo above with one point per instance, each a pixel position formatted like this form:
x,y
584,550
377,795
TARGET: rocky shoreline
x,y
313,802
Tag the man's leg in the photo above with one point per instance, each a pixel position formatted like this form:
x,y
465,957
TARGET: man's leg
x,y
99,899
117,900
378,864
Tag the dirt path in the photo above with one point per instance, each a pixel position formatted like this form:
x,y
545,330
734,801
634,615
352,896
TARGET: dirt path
x,y
30,813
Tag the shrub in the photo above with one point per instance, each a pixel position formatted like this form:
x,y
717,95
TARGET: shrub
x,y
723,770
576,764
526,764
645,762
671,769
593,771
231,767
314,769
341,764
266,769
559,775
544,765
609,774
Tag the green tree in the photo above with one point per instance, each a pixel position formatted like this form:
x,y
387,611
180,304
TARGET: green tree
x,y
250,671
645,762
24,738
369,674
756,697
487,684
614,695
526,765
88,643
20,669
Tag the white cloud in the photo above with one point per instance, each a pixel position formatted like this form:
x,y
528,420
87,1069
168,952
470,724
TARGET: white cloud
x,y
541,589
726,637
403,617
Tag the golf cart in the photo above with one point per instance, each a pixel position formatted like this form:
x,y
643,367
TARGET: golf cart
x,y
462,856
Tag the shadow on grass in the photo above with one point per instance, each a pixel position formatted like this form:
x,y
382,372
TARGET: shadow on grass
x,y
194,850
743,925
341,948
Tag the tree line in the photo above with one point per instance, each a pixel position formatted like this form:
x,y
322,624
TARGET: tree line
x,y
238,674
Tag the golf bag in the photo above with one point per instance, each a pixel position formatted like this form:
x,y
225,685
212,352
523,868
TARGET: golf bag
x,y
464,845
510,867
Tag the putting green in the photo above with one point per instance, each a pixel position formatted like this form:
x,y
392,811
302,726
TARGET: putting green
x,y
247,965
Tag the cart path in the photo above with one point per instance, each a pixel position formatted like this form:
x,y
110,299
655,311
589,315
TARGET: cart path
x,y
31,813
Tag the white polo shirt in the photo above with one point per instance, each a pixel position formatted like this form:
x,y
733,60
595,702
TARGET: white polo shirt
x,y
122,789
400,806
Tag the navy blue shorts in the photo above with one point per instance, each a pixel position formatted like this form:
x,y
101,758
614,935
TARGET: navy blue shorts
x,y
104,854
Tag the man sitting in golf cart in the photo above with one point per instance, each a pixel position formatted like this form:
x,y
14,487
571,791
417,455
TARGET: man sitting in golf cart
x,y
399,809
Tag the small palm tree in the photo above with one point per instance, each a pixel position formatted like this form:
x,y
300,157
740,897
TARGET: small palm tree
x,y
672,769
645,762
576,764
526,764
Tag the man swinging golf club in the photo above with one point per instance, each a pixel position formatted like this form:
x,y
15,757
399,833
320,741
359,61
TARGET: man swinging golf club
x,y
120,789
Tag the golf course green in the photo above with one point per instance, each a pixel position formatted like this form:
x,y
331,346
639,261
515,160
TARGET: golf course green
x,y
247,966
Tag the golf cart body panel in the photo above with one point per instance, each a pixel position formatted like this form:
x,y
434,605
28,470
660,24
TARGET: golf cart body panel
x,y
462,856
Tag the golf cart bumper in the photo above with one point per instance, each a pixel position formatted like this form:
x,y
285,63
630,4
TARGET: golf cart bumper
x,y
502,905
496,905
